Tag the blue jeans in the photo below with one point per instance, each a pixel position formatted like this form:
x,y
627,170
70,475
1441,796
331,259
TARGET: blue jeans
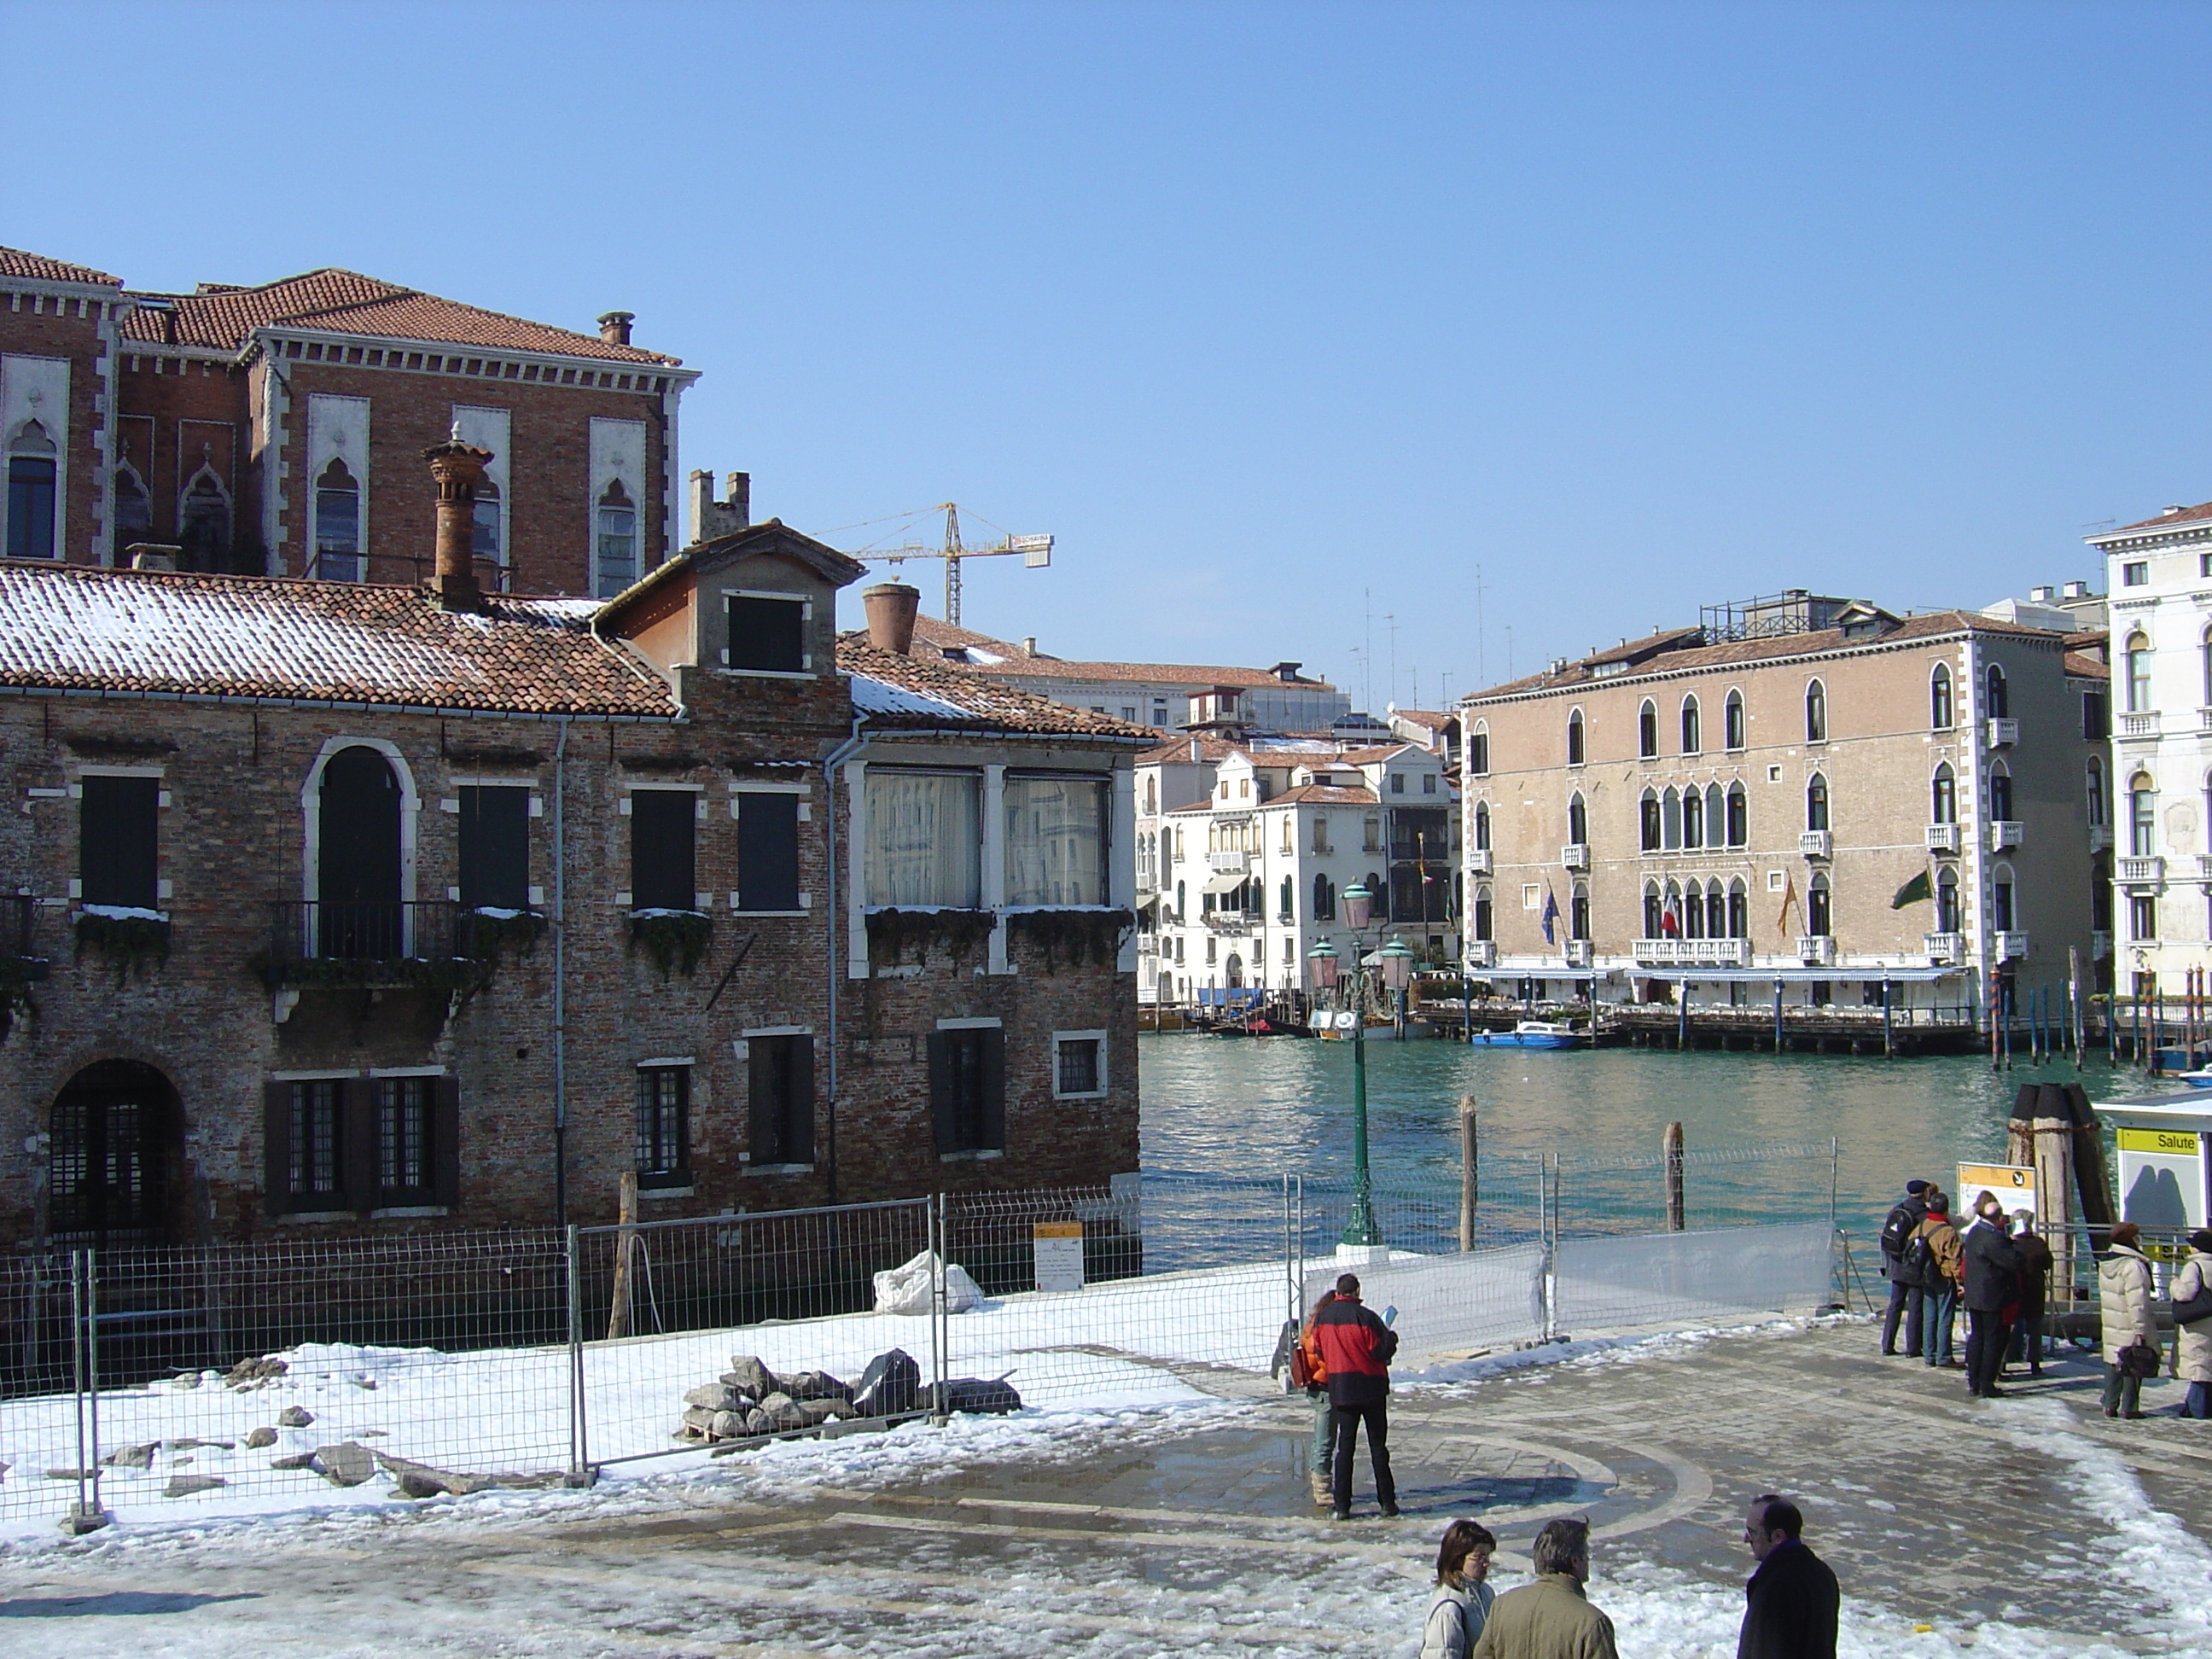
x,y
1937,1307
2199,1400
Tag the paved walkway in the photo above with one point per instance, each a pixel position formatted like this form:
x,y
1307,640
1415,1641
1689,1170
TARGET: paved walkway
x,y
1933,1509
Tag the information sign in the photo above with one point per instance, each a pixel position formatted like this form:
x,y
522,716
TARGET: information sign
x,y
2014,1184
1059,1247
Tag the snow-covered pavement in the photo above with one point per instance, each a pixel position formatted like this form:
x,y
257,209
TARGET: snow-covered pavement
x,y
2012,1528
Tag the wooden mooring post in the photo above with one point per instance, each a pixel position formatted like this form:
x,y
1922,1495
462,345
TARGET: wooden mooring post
x,y
1672,1143
625,1243
1468,1177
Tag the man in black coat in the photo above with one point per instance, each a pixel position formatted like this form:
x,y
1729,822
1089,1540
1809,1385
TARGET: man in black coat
x,y
1790,1603
1903,1296
1992,1285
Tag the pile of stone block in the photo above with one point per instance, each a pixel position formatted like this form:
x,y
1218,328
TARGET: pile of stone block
x,y
749,1400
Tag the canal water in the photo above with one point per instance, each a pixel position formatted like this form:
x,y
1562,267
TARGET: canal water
x,y
1220,1111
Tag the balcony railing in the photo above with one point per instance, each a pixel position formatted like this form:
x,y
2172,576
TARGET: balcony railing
x,y
1575,855
1578,953
1657,952
2100,838
1942,837
1814,843
1228,863
1714,952
1817,950
2006,834
1481,953
1944,947
1231,922
2012,947
2138,725
1478,861
2143,872
333,932
2002,733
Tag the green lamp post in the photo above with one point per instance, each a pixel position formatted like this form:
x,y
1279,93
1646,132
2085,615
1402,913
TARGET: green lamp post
x,y
1358,905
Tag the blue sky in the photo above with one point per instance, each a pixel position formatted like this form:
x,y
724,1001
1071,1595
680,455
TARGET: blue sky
x,y
1285,319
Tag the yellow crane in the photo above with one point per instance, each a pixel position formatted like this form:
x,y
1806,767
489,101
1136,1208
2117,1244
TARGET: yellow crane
x,y
1035,551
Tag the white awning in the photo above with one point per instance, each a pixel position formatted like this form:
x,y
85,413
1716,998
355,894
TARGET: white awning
x,y
1794,975
1224,883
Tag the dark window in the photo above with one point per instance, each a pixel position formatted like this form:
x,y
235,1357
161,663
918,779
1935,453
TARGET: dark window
x,y
1816,803
117,842
1694,819
134,509
1079,1066
1816,713
1691,739
617,540
780,1090
484,531
1733,713
968,1088
2142,916
337,524
1285,897
1819,911
30,507
1649,816
1575,738
495,847
360,915
664,1113
405,1110
768,852
1578,919
1738,914
1943,800
1739,817
2096,716
115,1140
1647,732
663,831
2001,796
317,1145
1577,822
1478,753
2000,701
768,633
2001,910
345,1144
1324,898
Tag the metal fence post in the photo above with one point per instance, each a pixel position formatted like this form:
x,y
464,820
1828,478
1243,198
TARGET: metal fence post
x,y
86,1513
940,1331
580,1472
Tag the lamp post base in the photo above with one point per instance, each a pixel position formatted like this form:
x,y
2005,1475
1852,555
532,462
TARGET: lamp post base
x,y
1363,1255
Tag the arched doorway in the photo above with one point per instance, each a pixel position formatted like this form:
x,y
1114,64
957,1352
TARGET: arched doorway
x,y
1234,973
117,1143
357,873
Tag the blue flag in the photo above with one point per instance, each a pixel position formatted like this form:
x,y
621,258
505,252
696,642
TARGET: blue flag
x,y
1551,914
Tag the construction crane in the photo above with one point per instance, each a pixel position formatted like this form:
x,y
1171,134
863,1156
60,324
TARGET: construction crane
x,y
1035,551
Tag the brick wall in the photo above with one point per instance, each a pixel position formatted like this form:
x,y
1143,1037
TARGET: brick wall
x,y
67,329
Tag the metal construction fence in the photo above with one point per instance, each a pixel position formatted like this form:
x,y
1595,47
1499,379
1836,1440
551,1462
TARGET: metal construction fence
x,y
152,1384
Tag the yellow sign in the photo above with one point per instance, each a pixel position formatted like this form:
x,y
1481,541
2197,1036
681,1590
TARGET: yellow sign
x,y
2173,1142
2013,1185
1057,1230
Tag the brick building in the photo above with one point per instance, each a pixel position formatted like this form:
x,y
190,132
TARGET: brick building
x,y
274,429
1739,805
354,905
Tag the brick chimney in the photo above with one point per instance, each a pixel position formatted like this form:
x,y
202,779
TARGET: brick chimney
x,y
711,517
614,326
891,608
457,467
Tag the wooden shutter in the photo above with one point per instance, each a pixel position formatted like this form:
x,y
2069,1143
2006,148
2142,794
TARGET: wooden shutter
x,y
277,1148
446,1141
944,1106
993,1044
494,836
768,852
358,1188
768,633
119,841
799,1148
760,1098
663,836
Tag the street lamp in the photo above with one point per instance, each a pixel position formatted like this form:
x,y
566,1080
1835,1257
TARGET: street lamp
x,y
1397,964
1358,908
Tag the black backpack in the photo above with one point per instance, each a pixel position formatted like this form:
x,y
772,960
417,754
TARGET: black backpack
x,y
1918,1265
1897,1230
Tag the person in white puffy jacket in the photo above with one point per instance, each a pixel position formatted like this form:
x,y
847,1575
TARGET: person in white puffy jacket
x,y
2123,1309
1461,1607
2193,1342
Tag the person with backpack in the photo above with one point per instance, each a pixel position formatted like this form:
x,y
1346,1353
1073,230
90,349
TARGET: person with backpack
x,y
1460,1605
1310,1372
2130,1328
1904,1293
1932,1258
2192,1328
1992,1280
1357,1348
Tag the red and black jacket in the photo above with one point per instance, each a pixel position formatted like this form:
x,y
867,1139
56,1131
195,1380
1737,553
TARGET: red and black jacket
x,y
1356,1347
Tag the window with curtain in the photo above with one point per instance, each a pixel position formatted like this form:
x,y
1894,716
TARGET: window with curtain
x,y
337,524
1816,803
1055,841
483,534
1731,718
1738,910
1484,923
2142,818
2142,916
1943,795
2138,668
2002,912
1575,738
1578,917
1647,731
1939,698
1691,734
1716,912
1324,898
2000,794
134,509
203,524
2000,695
1481,827
1694,819
1648,821
925,839
1693,911
1739,817
1816,713
1653,912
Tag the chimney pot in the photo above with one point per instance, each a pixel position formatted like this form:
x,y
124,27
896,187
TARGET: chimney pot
x,y
1028,645
741,499
457,467
891,608
614,326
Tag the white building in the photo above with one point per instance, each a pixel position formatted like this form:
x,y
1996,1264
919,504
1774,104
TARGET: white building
x,y
2160,589
1243,843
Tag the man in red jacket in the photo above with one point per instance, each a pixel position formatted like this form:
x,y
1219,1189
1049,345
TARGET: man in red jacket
x,y
1357,1348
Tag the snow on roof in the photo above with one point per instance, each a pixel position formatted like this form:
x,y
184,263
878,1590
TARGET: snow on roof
x,y
914,691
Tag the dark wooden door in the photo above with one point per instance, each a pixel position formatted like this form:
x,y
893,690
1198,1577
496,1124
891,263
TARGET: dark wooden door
x,y
358,864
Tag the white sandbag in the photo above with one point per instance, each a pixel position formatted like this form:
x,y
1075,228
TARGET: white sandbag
x,y
907,1289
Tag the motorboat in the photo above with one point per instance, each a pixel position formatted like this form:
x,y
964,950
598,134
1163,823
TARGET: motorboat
x,y
1533,1033
2199,1080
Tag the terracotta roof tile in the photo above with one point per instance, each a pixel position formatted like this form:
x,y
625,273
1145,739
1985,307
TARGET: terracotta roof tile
x,y
346,303
75,626
1322,795
14,261
2172,515
2082,667
1014,661
917,694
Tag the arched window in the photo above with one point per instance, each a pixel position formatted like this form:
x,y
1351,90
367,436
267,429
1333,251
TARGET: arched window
x,y
1482,826
485,541
134,508
1716,816
1574,751
359,914
1819,907
1999,699
1648,818
1716,910
2137,660
1816,713
1647,729
1287,901
2143,816
1943,795
1694,819
1653,911
1732,720
1478,750
1485,914
32,468
2004,914
1670,819
1578,912
2099,807
1816,803
1324,898
204,521
1739,817
617,541
337,524
1691,745
1739,910
1180,912
1693,911
1577,820
1152,797
1670,912
1939,698
1947,900
2001,793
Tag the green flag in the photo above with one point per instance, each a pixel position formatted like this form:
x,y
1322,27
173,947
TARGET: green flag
x,y
1913,892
